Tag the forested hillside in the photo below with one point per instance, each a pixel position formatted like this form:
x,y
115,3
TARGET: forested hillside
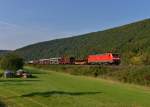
x,y
132,41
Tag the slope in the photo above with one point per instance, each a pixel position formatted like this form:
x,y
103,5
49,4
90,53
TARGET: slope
x,y
53,89
131,40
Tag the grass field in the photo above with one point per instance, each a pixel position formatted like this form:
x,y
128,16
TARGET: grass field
x,y
52,89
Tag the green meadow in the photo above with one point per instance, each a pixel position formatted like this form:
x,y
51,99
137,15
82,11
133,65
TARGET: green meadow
x,y
55,89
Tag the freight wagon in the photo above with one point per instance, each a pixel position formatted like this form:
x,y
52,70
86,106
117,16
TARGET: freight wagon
x,y
44,61
66,60
55,60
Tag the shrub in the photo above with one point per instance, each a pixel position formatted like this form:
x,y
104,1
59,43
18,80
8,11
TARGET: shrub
x,y
11,62
128,74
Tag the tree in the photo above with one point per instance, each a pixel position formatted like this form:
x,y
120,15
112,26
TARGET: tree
x,y
11,62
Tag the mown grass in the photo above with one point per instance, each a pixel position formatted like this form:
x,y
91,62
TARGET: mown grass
x,y
54,89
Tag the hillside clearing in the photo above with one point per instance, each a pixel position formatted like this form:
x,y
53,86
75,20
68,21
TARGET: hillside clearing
x,y
52,89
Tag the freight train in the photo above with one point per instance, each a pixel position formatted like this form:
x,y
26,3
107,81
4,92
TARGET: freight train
x,y
106,58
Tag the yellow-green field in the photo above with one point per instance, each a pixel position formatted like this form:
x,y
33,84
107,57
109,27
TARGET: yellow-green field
x,y
52,89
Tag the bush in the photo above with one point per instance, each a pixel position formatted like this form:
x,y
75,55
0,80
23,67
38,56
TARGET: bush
x,y
11,62
128,74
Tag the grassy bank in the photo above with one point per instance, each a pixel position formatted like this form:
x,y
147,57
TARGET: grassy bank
x,y
128,74
55,89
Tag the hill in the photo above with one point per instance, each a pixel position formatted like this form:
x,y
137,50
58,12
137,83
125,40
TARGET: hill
x,y
131,40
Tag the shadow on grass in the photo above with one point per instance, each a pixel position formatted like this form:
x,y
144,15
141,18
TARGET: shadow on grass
x,y
38,72
2,104
33,76
19,80
60,93
35,71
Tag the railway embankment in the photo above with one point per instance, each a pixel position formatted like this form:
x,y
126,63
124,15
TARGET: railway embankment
x,y
128,74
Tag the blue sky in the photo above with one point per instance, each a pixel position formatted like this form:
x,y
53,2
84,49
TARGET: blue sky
x,y
23,22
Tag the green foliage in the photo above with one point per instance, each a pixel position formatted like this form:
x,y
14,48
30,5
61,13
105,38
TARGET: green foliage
x,y
128,74
4,52
129,40
11,62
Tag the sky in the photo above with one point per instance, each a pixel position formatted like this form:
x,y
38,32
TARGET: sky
x,y
24,22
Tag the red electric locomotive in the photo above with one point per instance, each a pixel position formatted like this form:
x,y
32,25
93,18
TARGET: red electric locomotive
x,y
107,58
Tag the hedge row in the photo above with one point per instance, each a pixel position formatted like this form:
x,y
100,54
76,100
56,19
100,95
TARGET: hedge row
x,y
128,74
